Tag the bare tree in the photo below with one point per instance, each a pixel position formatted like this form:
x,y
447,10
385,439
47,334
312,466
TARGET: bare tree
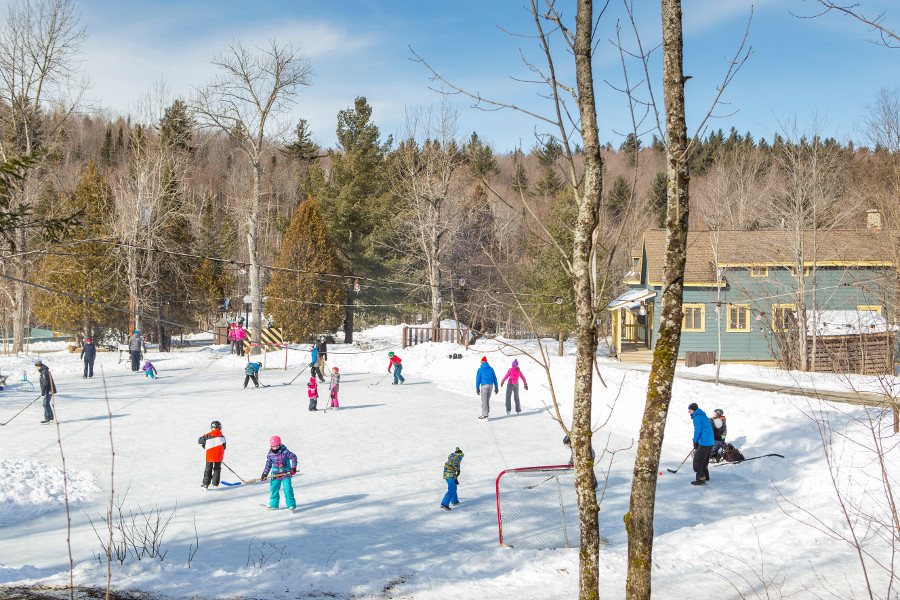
x,y
253,87
429,175
887,37
39,45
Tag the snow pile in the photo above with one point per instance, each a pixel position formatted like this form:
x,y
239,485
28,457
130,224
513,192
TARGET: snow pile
x,y
31,489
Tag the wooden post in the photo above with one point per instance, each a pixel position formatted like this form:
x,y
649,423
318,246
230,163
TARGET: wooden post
x,y
403,342
896,420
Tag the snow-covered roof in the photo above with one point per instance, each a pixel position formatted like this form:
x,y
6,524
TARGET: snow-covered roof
x,y
630,297
846,322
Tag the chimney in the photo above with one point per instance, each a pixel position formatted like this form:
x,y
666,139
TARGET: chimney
x,y
873,219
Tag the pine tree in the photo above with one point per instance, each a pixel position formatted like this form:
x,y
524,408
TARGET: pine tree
x,y
85,269
657,199
547,154
106,150
631,146
306,303
520,179
618,197
176,126
355,201
210,282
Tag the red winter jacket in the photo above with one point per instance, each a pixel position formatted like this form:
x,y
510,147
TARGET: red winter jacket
x,y
214,442
395,360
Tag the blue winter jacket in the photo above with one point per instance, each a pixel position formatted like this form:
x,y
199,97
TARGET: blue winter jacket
x,y
314,358
703,433
485,376
252,368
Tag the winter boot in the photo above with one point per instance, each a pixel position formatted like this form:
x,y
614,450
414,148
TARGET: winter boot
x,y
445,507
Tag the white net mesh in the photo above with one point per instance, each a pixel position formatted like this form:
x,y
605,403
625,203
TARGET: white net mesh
x,y
537,508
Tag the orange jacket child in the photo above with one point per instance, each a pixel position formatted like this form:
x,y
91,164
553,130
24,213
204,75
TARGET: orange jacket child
x,y
214,442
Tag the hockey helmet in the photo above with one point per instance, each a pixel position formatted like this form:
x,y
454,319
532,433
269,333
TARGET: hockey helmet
x,y
274,441
215,425
391,354
335,369
566,440
719,412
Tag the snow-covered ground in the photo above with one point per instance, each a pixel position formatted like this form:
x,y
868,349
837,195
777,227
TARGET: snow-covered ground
x,y
369,485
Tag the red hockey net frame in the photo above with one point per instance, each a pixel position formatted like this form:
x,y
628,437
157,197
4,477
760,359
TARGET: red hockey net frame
x,y
541,475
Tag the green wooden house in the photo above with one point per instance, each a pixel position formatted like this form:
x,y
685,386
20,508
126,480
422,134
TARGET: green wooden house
x,y
746,293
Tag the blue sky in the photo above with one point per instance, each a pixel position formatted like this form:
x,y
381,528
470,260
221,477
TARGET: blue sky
x,y
822,69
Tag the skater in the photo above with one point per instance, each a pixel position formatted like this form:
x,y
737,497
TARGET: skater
x,y
48,388
485,380
315,363
88,354
322,347
720,430
231,338
312,390
703,443
283,464
451,476
240,335
214,442
252,372
149,370
135,346
335,384
514,374
395,363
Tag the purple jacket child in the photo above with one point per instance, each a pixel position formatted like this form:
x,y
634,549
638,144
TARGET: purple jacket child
x,y
512,390
149,370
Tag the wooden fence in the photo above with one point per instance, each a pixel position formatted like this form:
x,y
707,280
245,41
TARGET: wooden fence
x,y
419,335
865,354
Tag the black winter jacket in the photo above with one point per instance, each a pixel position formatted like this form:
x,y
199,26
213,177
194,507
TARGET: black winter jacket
x,y
89,352
47,385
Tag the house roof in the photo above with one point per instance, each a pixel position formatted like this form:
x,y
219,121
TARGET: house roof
x,y
767,248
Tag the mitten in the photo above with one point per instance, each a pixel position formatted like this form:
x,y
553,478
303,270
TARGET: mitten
x,y
293,471
477,390
263,478
526,387
456,480
501,383
696,445
496,390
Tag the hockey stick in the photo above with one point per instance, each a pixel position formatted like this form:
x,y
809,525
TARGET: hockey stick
x,y
531,487
682,462
737,462
382,378
298,375
232,470
285,476
21,411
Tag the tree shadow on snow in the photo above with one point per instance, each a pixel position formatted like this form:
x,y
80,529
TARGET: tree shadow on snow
x,y
331,502
97,418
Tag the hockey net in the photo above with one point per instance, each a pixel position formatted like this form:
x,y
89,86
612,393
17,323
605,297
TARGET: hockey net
x,y
537,507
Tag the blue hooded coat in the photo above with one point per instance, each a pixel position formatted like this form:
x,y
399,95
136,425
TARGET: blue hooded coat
x,y
703,433
485,376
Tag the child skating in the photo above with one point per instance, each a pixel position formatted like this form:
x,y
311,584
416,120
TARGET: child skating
x,y
451,476
312,390
335,384
395,363
512,391
252,372
149,370
214,442
283,464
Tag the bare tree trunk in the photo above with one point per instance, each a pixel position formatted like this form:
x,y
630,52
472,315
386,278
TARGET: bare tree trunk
x,y
639,520
21,294
434,276
585,317
253,247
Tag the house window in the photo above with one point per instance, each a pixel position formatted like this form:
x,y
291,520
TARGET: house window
x,y
784,317
738,317
794,271
635,264
875,307
759,271
694,317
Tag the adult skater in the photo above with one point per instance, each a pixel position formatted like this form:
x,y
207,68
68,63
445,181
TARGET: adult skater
x,y
720,430
514,374
451,476
48,388
283,464
397,365
485,382
703,443
322,347
214,442
88,354
315,363
135,345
